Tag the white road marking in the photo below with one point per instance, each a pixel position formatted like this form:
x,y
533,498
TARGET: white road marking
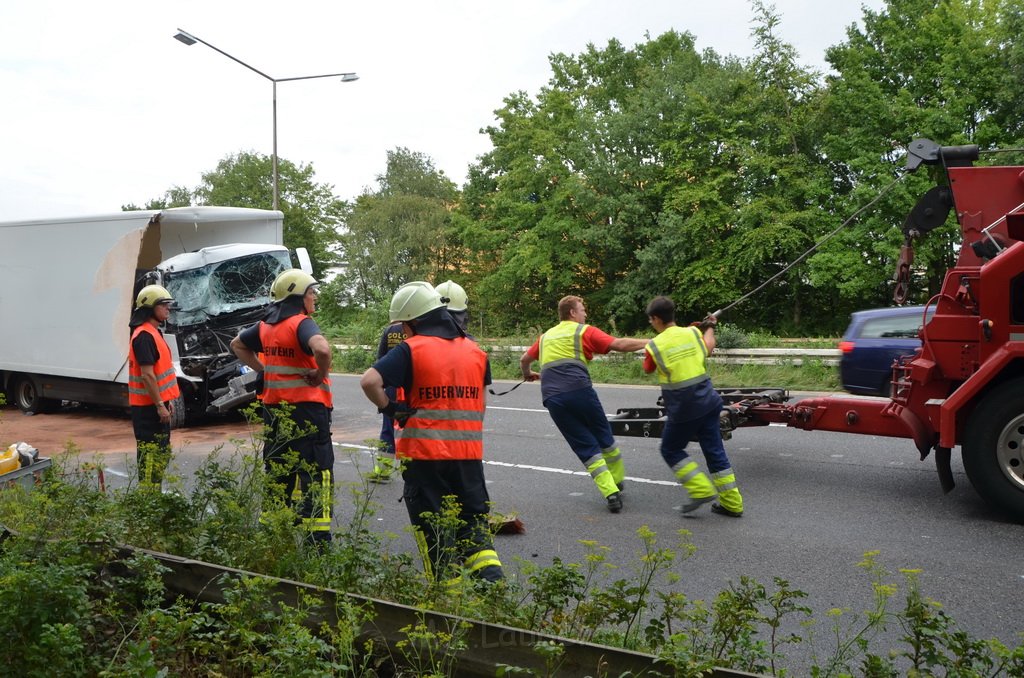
x,y
564,471
354,447
531,467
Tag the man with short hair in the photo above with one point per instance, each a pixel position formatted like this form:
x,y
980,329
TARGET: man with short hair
x,y
692,408
444,375
569,396
152,385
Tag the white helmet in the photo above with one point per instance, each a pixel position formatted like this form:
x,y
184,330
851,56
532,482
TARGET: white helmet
x,y
453,296
413,300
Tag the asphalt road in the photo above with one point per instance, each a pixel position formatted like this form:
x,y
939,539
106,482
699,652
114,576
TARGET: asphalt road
x,y
814,504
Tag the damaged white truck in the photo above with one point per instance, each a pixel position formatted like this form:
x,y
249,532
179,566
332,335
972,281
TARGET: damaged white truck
x,y
67,287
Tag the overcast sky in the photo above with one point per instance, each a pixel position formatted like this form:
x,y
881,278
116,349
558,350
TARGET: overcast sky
x,y
101,106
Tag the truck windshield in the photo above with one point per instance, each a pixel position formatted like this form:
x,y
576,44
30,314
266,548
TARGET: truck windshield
x,y
223,287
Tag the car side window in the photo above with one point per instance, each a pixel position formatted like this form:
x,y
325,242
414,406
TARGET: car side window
x,y
903,327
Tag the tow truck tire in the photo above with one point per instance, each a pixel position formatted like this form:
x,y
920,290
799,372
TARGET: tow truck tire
x,y
25,392
993,448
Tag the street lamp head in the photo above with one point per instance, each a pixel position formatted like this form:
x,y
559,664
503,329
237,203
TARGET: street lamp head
x,y
349,77
183,37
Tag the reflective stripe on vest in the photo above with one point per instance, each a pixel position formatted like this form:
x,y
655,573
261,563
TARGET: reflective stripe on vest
x,y
286,364
681,357
562,344
448,394
166,382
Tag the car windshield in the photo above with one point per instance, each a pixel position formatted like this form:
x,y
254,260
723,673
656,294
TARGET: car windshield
x,y
225,286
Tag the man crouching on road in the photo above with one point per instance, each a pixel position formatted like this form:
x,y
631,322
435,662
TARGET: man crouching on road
x,y
444,375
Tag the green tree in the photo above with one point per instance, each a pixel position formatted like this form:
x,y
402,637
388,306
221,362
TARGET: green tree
x,y
655,170
918,68
747,190
573,187
176,196
400,232
312,212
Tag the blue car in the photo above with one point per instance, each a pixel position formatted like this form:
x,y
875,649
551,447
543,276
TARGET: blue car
x,y
873,341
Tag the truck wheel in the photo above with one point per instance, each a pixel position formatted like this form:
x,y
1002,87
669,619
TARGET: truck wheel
x,y
993,448
178,417
25,392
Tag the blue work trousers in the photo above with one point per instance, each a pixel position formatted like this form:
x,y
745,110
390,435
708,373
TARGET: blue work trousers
x,y
580,417
387,425
705,430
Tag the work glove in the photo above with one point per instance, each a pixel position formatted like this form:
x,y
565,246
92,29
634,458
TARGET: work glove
x,y
710,321
400,412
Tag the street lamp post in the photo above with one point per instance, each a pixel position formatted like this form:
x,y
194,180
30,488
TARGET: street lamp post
x,y
189,39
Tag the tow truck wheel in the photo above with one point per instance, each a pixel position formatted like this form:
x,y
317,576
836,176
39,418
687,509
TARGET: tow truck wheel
x,y
993,448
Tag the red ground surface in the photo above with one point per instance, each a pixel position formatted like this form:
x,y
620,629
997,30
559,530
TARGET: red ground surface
x,y
98,431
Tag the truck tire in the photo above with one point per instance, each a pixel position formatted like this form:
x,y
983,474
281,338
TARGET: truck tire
x,y
993,448
178,415
25,392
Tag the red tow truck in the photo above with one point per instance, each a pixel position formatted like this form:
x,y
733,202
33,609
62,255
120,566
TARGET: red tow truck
x,y
965,385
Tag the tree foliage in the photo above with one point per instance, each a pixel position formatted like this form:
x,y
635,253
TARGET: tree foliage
x,y
917,69
312,212
661,170
400,232
653,170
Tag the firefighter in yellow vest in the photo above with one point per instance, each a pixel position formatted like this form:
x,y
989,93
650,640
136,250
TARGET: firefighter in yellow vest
x,y
152,385
444,375
569,396
296,370
692,407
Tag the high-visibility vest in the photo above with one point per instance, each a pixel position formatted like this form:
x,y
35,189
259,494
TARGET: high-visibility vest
x,y
681,357
563,344
448,394
163,368
286,365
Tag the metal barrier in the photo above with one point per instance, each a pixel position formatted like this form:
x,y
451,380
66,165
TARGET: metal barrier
x,y
728,356
487,644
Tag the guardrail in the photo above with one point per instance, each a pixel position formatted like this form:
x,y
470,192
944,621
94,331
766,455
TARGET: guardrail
x,y
486,645
774,356
727,356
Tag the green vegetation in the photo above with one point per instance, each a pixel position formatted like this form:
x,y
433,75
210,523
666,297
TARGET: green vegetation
x,y
73,603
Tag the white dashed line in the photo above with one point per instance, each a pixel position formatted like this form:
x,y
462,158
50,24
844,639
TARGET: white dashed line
x,y
531,467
